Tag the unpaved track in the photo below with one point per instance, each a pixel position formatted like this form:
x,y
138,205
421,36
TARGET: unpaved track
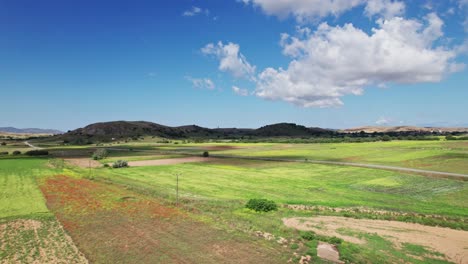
x,y
31,145
160,162
87,162
452,243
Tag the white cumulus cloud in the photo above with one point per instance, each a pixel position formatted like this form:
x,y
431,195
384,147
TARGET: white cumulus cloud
x,y
202,83
195,11
311,10
230,59
240,91
386,8
383,121
333,62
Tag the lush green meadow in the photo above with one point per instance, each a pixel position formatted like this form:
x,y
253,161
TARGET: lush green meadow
x,y
302,183
104,210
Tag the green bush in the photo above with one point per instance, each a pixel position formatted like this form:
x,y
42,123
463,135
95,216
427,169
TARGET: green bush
x,y
3,144
99,154
120,164
106,165
37,152
4,153
450,137
309,235
16,152
261,205
206,154
386,138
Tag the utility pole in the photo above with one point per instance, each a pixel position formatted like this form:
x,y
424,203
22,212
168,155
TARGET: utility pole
x,y
177,189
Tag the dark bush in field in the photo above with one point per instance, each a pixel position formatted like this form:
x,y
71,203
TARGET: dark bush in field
x,y
16,152
120,164
311,236
3,143
450,137
99,154
206,154
386,138
4,153
37,153
261,205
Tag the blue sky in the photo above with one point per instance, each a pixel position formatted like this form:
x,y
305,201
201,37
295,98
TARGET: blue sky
x,y
248,63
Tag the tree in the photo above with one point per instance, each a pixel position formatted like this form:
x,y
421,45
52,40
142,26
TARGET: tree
x,y
100,154
386,138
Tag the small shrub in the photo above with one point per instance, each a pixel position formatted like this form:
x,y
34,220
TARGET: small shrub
x,y
16,152
106,165
37,152
206,154
309,235
3,143
261,205
99,154
294,246
120,164
4,153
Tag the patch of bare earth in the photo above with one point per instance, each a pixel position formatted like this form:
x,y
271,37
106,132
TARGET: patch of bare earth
x,y
173,161
34,241
452,243
84,162
111,224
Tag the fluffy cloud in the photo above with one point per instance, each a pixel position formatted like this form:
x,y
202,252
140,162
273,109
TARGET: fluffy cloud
x,y
382,121
195,11
337,61
310,10
386,8
202,83
230,59
240,91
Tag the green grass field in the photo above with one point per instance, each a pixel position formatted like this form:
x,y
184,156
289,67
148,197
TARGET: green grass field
x,y
29,232
123,214
444,156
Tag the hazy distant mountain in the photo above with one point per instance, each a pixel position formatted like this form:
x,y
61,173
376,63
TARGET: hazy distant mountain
x,y
384,129
29,130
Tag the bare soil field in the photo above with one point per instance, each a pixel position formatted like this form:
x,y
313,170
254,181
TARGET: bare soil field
x,y
84,162
114,225
173,161
452,243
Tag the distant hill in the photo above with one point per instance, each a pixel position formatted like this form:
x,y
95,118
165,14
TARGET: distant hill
x,y
123,130
287,130
14,130
130,129
393,129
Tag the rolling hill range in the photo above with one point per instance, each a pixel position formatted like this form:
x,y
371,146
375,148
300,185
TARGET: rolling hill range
x,y
130,129
395,129
14,130
116,130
